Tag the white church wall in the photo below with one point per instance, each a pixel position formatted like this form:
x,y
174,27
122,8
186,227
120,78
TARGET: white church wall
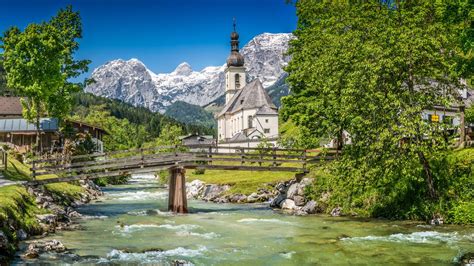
x,y
268,125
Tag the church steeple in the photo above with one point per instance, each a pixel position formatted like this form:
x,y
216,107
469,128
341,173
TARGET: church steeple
x,y
235,77
235,58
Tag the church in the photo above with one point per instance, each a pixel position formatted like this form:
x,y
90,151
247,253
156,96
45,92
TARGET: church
x,y
249,115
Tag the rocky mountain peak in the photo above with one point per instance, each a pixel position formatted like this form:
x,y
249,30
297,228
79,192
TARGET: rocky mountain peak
x,y
183,69
131,81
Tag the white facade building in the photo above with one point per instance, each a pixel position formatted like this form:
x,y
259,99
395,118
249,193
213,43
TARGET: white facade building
x,y
249,114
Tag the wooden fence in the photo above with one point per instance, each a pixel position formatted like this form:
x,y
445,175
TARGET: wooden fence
x,y
3,159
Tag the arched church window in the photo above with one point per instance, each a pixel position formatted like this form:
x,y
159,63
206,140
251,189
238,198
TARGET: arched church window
x,y
237,80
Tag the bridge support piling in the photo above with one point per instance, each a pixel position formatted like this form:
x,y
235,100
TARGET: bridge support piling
x,y
177,201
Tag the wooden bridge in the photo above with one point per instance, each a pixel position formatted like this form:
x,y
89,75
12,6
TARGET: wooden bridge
x,y
175,159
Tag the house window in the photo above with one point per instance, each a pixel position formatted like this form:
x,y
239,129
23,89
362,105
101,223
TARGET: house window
x,y
250,122
448,120
266,120
266,130
237,80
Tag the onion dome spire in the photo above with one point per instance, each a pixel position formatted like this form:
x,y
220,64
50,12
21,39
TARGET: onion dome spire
x,y
235,58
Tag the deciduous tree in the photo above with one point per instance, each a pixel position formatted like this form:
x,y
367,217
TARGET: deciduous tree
x,y
39,62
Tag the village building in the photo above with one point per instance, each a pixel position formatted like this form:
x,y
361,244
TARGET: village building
x,y
196,141
249,115
19,134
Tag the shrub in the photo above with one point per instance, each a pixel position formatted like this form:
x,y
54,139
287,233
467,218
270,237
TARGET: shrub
x,y
199,171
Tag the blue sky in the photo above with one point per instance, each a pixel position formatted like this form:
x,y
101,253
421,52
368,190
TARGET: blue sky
x,y
160,33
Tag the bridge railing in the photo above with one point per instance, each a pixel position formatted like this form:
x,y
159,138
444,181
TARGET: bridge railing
x,y
166,157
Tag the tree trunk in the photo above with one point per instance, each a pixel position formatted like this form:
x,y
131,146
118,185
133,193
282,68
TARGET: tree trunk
x,y
462,133
38,130
340,140
428,175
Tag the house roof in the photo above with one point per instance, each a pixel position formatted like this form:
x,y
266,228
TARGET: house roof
x,y
81,124
10,106
253,95
196,135
21,125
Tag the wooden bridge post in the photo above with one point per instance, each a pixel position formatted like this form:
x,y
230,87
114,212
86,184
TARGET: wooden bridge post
x,y
210,155
274,157
33,170
177,201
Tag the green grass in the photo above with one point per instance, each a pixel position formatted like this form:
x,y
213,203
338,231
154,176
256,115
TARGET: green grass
x,y
19,209
244,182
17,171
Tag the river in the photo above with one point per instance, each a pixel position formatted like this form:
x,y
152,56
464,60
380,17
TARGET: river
x,y
129,226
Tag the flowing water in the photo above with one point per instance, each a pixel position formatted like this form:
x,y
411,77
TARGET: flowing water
x,y
129,226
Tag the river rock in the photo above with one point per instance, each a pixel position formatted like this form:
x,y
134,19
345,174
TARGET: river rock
x,y
299,200
214,191
276,202
40,200
21,234
437,221
306,181
467,259
238,198
194,188
47,218
288,204
3,241
74,214
336,211
292,191
181,263
54,245
310,207
281,187
300,212
32,252
253,198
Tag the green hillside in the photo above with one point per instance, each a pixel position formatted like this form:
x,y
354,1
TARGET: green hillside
x,y
153,122
191,114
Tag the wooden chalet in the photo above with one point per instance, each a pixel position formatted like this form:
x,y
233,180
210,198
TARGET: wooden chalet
x,y
18,133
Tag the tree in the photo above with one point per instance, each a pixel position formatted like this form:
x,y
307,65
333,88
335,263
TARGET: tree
x,y
370,68
39,64
123,134
169,136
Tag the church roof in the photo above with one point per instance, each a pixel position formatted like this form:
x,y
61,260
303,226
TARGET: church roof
x,y
253,95
265,110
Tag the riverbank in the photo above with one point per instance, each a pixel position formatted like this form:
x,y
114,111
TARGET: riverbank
x,y
27,212
288,196
139,230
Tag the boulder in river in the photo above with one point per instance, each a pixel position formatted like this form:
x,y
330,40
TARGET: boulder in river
x,y
47,218
288,204
214,191
299,200
292,191
31,253
310,207
276,202
21,234
336,211
194,188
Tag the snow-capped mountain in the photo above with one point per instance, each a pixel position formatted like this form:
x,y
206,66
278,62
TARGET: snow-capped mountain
x,y
132,82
